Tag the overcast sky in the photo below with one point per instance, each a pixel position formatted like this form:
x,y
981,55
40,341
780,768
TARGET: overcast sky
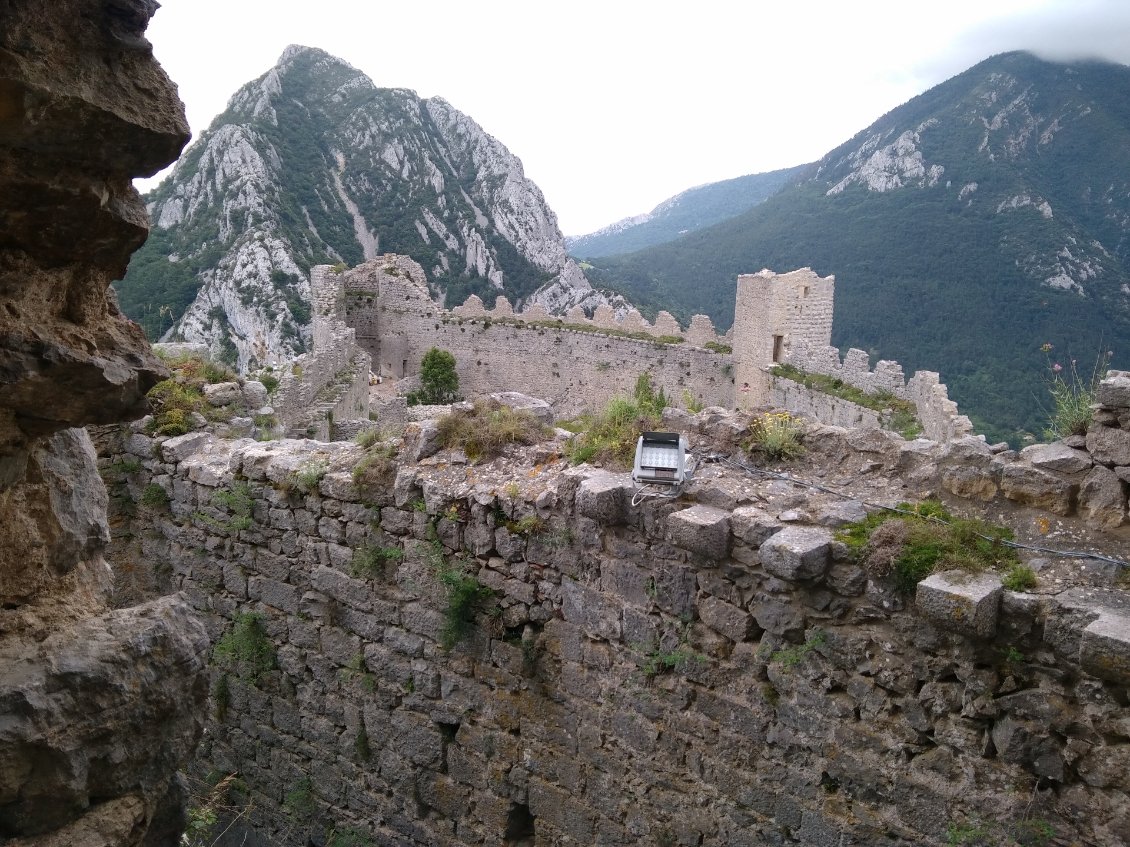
x,y
615,105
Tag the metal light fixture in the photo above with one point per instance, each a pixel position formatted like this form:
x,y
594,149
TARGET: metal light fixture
x,y
661,459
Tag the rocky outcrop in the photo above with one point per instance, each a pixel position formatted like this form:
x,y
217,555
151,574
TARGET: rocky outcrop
x,y
101,707
312,162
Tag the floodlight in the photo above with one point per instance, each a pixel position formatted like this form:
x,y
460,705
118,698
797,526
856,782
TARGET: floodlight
x,y
660,459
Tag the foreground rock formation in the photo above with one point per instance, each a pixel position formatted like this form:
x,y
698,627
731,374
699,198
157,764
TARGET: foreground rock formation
x,y
100,707
713,670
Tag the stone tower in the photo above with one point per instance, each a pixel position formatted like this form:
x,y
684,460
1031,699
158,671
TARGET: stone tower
x,y
771,312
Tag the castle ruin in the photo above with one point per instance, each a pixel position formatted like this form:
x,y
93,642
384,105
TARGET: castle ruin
x,y
383,309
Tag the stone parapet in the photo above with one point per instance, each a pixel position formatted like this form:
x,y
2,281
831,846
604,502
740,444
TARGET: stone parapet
x,y
614,640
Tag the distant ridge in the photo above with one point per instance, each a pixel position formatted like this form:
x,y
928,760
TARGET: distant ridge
x,y
688,211
966,228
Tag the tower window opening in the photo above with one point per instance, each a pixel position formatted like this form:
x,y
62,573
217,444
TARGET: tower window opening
x,y
778,347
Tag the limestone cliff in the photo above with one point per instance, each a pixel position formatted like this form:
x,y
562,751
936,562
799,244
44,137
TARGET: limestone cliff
x,y
312,163
100,707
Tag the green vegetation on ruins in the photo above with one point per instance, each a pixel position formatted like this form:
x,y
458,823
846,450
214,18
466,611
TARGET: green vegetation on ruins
x,y
246,649
465,595
481,432
895,413
610,436
439,383
175,399
776,436
908,545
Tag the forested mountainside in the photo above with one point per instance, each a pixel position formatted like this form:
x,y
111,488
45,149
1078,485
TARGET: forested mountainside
x,y
690,210
967,228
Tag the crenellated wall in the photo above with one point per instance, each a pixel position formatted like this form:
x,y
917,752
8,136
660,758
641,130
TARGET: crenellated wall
x,y
578,363
575,370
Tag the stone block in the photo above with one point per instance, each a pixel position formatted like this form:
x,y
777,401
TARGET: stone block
x,y
956,600
421,440
352,592
139,445
1056,457
338,485
798,553
1102,499
840,513
627,581
1109,446
1034,487
726,619
590,610
779,619
253,394
222,393
603,497
701,529
540,409
1114,390
280,595
207,468
753,526
180,447
1104,649
969,482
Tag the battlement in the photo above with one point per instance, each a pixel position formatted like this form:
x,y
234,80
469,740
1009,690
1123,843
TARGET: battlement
x,y
577,362
699,332
937,413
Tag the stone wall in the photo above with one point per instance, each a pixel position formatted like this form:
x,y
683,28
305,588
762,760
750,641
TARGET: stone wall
x,y
331,382
818,406
708,671
388,305
579,363
938,415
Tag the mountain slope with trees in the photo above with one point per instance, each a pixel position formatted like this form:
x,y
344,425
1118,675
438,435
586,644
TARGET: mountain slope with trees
x,y
967,228
691,210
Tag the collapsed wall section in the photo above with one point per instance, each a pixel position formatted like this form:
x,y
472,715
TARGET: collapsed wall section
x,y
331,382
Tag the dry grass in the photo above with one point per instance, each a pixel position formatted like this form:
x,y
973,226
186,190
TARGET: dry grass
x,y
483,431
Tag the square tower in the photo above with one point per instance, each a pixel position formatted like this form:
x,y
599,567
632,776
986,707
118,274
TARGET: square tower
x,y
771,312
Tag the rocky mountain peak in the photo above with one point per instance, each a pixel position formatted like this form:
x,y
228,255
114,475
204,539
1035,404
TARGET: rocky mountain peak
x,y
312,163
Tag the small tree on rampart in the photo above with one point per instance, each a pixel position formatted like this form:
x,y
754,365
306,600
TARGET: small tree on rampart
x,y
438,380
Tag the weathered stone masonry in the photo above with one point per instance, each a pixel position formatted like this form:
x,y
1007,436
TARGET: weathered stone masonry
x,y
396,322
331,382
582,363
809,705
